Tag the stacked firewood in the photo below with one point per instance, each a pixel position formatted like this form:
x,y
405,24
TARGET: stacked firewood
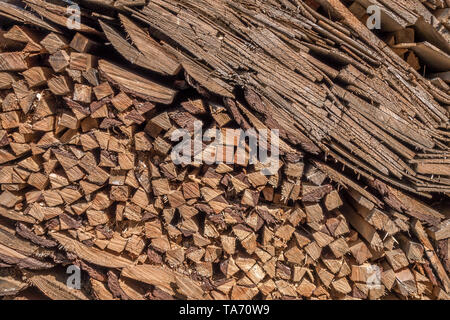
x,y
418,32
89,182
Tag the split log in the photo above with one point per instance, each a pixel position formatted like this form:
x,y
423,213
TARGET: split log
x,y
88,178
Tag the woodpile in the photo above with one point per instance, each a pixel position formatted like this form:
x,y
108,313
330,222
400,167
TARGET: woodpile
x,y
358,207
